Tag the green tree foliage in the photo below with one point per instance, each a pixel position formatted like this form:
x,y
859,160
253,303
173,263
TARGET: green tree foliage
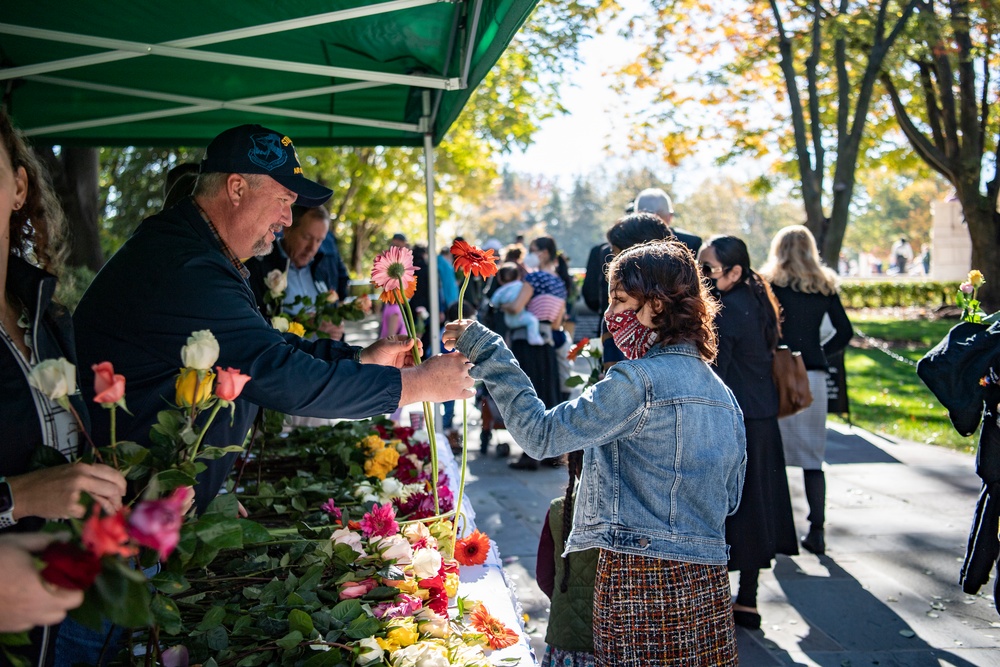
x,y
585,225
944,91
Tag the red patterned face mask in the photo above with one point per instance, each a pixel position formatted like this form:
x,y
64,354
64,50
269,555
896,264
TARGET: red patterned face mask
x,y
631,336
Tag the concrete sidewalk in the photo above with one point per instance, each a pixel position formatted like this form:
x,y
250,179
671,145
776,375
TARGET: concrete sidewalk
x,y
886,593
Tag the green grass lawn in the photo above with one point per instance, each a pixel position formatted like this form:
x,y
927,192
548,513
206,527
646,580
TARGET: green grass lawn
x,y
885,394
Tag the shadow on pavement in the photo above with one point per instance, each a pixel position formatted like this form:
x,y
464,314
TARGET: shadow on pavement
x,y
835,603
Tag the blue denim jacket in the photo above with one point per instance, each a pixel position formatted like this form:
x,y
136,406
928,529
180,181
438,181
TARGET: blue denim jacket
x,y
664,448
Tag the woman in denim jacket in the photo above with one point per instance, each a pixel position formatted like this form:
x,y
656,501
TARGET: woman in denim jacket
x,y
664,457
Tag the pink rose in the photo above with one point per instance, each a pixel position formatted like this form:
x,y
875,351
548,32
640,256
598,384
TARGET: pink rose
x,y
229,383
108,387
157,523
966,288
355,589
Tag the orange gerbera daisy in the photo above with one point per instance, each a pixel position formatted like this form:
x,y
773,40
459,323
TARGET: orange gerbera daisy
x,y
577,349
472,549
473,261
392,296
497,634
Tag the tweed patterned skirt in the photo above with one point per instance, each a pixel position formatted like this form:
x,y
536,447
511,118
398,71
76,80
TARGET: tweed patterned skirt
x,y
650,611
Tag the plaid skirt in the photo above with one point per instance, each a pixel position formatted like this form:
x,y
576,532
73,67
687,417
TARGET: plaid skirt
x,y
650,611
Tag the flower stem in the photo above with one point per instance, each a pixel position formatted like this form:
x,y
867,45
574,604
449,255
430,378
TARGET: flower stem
x,y
79,424
201,436
114,440
411,330
465,428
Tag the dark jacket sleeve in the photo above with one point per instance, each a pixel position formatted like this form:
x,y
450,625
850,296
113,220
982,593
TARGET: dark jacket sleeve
x,y
593,281
545,563
845,331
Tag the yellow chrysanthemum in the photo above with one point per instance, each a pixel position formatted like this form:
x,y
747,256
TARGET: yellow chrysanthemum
x,y
372,443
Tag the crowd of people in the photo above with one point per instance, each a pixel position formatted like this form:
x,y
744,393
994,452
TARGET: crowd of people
x,y
676,456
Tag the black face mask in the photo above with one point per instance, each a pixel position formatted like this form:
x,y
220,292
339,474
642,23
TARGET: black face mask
x,y
713,288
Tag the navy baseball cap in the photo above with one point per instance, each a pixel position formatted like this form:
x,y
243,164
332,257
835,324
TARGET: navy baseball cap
x,y
254,149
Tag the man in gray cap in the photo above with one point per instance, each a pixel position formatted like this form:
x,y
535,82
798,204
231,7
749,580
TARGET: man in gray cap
x,y
182,271
656,201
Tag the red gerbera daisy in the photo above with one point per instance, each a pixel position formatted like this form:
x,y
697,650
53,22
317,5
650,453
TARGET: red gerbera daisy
x,y
472,549
497,634
474,261
577,349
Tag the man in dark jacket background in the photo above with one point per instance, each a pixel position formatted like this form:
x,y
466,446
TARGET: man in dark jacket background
x,y
307,252
181,272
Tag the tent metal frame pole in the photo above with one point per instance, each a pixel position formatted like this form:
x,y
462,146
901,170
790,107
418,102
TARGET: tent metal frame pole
x,y
288,66
199,40
202,104
470,44
432,266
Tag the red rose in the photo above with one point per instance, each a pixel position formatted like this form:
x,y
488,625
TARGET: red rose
x,y
229,383
68,566
108,387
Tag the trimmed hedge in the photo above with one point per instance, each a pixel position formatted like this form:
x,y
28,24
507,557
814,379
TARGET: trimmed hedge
x,y
893,293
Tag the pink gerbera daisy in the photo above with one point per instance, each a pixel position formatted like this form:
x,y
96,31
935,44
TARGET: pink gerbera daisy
x,y
380,522
394,270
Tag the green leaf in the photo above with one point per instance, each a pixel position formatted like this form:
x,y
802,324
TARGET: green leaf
x,y
299,503
253,532
124,600
14,639
217,638
241,624
291,640
168,480
166,614
294,600
346,611
301,621
219,532
213,453
225,504
170,583
212,619
331,658
361,627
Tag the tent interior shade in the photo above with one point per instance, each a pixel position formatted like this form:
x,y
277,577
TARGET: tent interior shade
x,y
326,73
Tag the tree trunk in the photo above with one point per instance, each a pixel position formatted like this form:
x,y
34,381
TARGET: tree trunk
x,y
984,228
75,178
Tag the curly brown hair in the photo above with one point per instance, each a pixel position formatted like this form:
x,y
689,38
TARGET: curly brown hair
x,y
37,228
665,271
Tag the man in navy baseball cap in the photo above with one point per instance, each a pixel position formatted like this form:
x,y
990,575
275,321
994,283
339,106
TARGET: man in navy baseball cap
x,y
254,149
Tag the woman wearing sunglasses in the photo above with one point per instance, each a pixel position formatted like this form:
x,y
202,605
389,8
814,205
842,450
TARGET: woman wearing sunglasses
x,y
749,327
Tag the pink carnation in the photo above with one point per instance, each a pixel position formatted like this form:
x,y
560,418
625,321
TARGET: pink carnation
x,y
330,507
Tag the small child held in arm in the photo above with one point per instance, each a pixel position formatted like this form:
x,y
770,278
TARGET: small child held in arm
x,y
509,277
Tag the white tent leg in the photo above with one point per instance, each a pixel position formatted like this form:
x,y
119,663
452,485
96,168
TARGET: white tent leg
x,y
432,267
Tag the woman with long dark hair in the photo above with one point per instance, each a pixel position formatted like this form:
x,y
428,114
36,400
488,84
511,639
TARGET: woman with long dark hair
x,y
749,329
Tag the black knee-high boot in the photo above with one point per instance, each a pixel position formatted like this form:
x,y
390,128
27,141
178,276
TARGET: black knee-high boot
x,y
747,597
815,482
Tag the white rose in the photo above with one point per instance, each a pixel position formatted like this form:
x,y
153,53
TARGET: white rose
x,y
421,654
420,435
332,296
371,652
56,378
414,532
395,547
350,538
366,493
426,563
280,323
201,351
276,282
391,488
432,623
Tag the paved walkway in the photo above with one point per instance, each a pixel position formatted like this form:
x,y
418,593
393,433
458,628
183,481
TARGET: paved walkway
x,y
886,593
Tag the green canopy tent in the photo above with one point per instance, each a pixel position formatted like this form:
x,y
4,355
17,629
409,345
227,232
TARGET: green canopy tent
x,y
325,72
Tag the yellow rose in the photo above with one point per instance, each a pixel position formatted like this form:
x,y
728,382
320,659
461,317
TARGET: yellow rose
x,y
403,632
297,329
976,278
372,443
189,379
404,585
387,645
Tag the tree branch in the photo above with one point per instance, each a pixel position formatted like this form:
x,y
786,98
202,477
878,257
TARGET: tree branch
x,y
931,103
927,151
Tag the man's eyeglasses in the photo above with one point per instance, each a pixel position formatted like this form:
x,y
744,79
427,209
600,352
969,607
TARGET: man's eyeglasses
x,y
710,270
